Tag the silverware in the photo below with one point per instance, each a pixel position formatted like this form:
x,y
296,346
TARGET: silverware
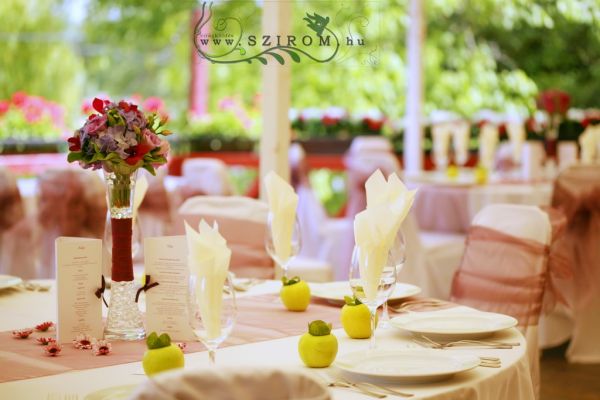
x,y
387,389
427,342
408,305
490,362
356,388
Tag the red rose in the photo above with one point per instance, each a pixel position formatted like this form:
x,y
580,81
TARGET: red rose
x,y
95,123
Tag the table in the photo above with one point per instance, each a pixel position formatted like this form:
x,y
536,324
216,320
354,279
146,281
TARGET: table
x,y
20,309
449,205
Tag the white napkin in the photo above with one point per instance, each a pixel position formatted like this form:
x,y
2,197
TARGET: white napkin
x,y
516,135
588,142
460,140
440,134
282,204
141,187
488,139
208,260
388,204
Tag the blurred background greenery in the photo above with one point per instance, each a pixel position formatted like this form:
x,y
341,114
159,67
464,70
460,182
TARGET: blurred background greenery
x,y
494,54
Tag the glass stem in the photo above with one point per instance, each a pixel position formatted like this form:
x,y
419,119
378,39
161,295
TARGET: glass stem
x,y
373,311
211,357
385,316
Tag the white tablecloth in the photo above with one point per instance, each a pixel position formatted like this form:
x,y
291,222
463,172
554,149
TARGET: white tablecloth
x,y
22,309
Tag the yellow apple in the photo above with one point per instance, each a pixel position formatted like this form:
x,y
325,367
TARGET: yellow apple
x,y
295,294
161,355
318,347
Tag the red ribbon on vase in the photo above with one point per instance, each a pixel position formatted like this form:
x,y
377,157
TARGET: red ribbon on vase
x,y
122,261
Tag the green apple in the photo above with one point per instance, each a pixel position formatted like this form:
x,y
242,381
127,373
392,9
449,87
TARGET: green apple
x,y
161,355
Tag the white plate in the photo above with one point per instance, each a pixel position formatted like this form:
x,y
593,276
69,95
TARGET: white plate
x,y
449,325
334,292
409,366
112,393
7,281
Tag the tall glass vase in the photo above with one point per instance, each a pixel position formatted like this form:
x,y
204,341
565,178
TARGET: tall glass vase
x,y
124,320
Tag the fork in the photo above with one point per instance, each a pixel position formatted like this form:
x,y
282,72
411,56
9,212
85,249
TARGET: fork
x,y
356,387
427,342
408,305
489,362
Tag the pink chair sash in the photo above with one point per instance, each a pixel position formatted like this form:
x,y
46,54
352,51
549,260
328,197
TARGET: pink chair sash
x,y
11,204
577,193
503,273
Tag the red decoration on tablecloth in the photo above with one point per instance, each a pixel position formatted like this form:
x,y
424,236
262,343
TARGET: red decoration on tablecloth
x,y
53,349
101,347
45,340
22,333
83,342
44,326
182,345
122,262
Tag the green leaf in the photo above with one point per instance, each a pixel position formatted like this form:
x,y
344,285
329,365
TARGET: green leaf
x,y
276,56
74,156
149,168
288,282
352,301
262,60
153,341
293,55
319,328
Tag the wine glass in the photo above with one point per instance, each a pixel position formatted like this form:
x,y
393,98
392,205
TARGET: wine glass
x,y
295,245
212,311
376,296
397,257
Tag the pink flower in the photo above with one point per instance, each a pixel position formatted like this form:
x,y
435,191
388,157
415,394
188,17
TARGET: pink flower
x,y
165,147
95,124
44,326
45,340
101,347
53,349
19,98
82,342
4,106
22,333
153,104
151,138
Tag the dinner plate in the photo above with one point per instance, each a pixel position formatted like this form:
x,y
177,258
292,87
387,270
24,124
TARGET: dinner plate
x,y
408,366
7,281
112,393
334,292
472,325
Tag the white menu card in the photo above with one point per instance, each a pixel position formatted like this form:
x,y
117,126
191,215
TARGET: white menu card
x,y
78,276
165,260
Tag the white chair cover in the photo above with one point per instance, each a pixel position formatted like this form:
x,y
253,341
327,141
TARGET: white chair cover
x,y
207,176
519,221
233,384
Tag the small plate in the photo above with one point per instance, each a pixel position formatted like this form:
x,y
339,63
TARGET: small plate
x,y
448,325
7,281
408,366
334,292
112,393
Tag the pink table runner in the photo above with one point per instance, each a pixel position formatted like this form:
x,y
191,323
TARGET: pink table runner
x,y
260,318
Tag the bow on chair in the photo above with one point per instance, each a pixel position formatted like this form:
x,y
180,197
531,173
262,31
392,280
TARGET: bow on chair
x,y
147,286
100,291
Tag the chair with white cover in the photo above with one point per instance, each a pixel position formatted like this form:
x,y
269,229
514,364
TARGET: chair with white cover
x,y
431,258
204,176
243,223
12,213
505,268
156,210
577,193
227,383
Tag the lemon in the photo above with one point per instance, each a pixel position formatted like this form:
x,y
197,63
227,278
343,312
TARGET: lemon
x,y
161,355
356,319
318,347
295,294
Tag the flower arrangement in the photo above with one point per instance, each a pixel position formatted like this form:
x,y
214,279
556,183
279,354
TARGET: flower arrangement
x,y
120,139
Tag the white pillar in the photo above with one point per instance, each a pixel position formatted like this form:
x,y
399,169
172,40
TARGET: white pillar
x,y
275,140
413,133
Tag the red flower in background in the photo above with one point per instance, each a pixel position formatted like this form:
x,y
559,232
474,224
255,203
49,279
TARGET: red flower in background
x,y
554,101
329,121
19,98
4,106
373,124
